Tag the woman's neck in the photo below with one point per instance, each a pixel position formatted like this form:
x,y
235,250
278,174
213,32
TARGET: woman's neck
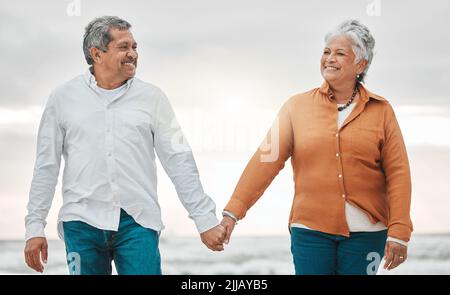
x,y
342,93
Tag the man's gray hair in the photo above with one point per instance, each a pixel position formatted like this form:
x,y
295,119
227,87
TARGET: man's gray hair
x,y
362,39
97,34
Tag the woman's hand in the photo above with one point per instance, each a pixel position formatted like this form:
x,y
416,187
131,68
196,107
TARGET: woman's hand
x,y
394,254
228,223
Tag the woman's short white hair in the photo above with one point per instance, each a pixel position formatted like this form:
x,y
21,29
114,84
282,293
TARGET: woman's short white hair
x,y
362,39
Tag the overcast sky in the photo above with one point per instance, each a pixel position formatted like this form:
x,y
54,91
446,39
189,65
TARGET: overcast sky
x,y
227,66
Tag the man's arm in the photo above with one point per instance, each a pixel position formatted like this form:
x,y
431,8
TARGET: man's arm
x,y
178,161
45,178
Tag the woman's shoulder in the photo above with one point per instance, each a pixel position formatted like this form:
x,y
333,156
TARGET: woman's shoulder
x,y
379,105
303,97
376,97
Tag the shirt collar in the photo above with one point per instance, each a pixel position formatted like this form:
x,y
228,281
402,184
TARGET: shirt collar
x,y
365,94
92,82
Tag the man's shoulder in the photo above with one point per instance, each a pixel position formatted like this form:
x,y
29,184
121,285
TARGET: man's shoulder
x,y
69,86
147,88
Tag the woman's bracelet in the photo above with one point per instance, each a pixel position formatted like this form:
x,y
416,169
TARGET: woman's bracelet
x,y
231,215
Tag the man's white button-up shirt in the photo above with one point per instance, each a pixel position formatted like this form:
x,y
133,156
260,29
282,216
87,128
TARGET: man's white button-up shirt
x,y
108,143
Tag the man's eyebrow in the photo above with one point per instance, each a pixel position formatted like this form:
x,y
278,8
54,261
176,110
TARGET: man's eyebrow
x,y
126,43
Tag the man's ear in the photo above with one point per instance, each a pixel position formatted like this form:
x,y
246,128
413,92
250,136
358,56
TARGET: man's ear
x,y
96,55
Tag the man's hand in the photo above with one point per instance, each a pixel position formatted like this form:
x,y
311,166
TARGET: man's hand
x,y
35,249
213,238
228,223
395,254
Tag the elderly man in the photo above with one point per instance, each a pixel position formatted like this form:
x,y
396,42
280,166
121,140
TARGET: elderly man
x,y
107,125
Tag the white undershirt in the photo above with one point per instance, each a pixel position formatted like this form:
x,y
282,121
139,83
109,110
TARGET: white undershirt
x,y
110,94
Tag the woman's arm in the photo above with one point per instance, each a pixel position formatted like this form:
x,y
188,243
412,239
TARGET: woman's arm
x,y
398,179
265,164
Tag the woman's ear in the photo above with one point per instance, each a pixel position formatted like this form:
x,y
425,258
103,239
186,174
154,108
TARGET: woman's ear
x,y
361,66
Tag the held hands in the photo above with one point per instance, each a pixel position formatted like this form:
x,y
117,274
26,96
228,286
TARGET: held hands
x,y
395,254
35,249
217,236
213,238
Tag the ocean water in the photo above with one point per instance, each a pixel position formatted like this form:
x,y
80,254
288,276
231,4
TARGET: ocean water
x,y
428,254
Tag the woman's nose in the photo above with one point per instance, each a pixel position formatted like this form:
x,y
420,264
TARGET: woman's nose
x,y
331,58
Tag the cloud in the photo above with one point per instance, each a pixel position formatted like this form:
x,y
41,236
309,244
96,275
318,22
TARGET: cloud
x,y
276,47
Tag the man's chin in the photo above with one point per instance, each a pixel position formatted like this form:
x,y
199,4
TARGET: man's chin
x,y
129,74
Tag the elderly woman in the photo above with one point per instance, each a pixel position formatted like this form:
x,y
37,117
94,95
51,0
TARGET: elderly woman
x,y
352,179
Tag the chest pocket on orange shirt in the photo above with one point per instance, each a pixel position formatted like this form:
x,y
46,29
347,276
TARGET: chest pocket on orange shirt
x,y
366,144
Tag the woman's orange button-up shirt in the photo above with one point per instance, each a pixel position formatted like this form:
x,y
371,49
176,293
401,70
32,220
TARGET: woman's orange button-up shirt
x,y
364,163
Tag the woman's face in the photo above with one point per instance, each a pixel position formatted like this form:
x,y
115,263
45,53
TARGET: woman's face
x,y
337,64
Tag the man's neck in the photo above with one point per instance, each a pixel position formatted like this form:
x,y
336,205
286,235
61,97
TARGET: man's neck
x,y
106,80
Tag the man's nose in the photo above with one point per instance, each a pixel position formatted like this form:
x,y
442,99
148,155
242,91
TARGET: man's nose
x,y
133,54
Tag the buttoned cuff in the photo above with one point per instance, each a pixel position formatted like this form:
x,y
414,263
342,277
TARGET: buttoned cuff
x,y
401,242
205,222
33,230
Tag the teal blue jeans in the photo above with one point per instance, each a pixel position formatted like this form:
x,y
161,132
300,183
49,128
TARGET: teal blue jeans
x,y
133,248
318,253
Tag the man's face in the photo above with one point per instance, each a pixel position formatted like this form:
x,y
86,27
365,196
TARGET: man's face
x,y
121,57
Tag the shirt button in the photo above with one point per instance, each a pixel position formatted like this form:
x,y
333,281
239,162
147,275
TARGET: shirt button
x,y
337,154
340,175
343,196
109,154
337,134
